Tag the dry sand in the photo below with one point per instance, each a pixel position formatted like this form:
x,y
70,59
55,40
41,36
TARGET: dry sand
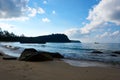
x,y
53,70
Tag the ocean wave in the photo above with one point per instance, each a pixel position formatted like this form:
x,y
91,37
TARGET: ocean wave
x,y
69,51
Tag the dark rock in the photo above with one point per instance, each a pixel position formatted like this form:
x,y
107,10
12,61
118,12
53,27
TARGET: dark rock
x,y
6,57
117,52
113,55
54,55
33,55
38,57
27,53
96,43
96,51
1,54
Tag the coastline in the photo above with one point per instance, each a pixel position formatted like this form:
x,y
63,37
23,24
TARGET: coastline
x,y
56,70
53,70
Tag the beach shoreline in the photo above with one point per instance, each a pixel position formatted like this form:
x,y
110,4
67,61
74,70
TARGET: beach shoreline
x,y
53,70
56,70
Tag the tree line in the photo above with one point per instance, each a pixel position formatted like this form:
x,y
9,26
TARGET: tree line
x,y
11,37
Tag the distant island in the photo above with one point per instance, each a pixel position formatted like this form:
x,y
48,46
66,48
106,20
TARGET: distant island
x,y
54,38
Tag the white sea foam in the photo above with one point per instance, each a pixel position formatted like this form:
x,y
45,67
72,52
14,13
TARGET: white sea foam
x,y
81,63
77,51
11,50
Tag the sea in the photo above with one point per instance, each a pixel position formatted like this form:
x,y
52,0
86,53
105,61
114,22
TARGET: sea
x,y
77,54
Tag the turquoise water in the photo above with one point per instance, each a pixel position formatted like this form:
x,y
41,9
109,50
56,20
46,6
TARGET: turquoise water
x,y
76,51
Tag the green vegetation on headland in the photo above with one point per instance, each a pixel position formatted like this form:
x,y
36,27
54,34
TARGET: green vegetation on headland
x,y
11,37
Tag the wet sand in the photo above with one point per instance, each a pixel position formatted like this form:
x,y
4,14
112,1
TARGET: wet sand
x,y
53,70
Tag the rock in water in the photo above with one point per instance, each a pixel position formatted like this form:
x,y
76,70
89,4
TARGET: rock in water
x,y
113,55
116,52
96,51
34,55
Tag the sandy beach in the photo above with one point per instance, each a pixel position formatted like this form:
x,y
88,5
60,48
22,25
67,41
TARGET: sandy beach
x,y
53,70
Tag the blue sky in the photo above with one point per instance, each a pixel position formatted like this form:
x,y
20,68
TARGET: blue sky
x,y
84,20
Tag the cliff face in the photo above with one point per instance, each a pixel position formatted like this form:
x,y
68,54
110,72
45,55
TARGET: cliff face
x,y
44,39
54,38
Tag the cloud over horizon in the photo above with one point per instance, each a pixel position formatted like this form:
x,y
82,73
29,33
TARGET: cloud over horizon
x,y
110,36
101,15
96,20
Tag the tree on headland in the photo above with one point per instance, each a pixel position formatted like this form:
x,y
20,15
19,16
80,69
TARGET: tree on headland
x,y
11,37
6,34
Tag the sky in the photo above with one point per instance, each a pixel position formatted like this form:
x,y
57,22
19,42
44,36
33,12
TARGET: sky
x,y
84,20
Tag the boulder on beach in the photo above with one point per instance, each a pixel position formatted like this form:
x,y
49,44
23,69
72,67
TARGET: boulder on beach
x,y
34,55
42,57
1,54
27,53
54,55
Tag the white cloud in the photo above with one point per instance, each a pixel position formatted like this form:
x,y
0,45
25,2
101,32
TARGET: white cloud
x,y
45,2
8,27
106,34
41,10
110,35
33,12
53,12
12,8
18,10
105,12
116,33
14,19
73,33
46,20
113,37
